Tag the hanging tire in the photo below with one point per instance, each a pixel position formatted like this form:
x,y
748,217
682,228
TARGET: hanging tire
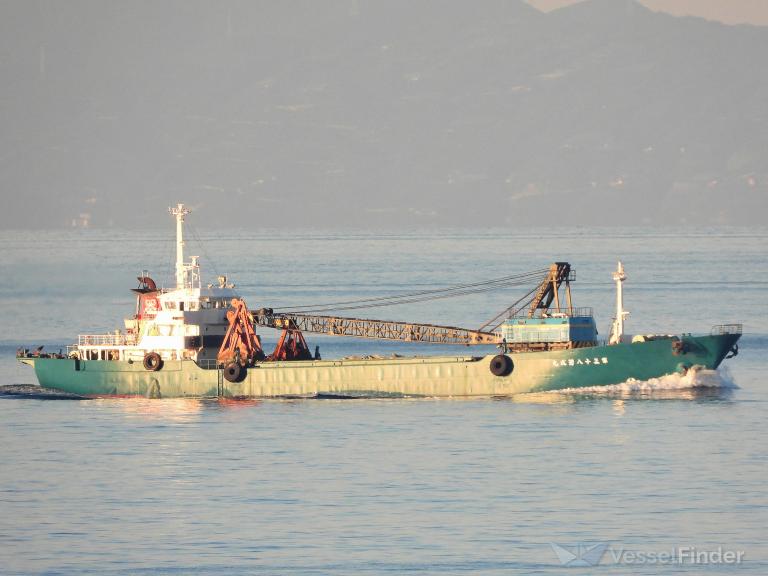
x,y
501,365
233,372
152,361
679,347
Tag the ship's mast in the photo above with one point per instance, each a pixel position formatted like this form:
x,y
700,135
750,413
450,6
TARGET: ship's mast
x,y
617,328
179,212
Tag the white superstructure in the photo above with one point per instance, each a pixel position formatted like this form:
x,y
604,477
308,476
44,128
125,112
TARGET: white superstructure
x,y
186,322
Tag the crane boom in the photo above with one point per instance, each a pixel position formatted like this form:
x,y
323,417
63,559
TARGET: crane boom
x,y
539,299
379,329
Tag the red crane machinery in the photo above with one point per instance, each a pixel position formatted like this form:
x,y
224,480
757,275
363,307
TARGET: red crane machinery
x,y
291,345
241,345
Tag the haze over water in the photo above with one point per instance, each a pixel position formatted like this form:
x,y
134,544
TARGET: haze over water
x,y
385,486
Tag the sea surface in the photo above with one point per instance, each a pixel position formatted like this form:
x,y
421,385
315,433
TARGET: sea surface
x,y
658,476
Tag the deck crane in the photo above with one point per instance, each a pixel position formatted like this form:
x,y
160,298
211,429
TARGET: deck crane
x,y
292,346
547,292
379,329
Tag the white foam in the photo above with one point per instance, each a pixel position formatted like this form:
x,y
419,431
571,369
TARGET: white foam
x,y
694,378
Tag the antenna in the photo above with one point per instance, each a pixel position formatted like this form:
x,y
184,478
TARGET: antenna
x,y
179,212
617,328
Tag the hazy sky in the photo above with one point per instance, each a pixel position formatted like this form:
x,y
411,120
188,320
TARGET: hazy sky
x,y
381,113
729,11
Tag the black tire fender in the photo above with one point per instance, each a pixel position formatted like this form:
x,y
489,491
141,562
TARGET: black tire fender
x,y
501,365
152,361
233,372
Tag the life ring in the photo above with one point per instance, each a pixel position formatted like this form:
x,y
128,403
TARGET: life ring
x,y
501,365
233,372
152,361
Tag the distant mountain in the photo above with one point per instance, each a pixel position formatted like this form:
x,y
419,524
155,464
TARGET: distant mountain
x,y
348,113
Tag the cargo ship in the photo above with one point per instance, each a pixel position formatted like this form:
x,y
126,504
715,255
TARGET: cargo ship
x,y
197,340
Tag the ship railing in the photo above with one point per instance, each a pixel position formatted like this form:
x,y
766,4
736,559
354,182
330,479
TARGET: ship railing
x,y
208,363
105,340
720,329
582,311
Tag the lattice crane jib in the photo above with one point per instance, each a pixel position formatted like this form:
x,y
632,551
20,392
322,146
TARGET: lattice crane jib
x,y
375,329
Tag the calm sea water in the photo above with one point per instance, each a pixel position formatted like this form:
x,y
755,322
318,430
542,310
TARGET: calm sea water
x,y
387,486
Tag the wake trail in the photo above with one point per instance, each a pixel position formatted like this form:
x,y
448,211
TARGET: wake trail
x,y
693,379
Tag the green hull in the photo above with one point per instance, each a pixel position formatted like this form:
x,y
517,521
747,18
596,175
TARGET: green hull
x,y
420,376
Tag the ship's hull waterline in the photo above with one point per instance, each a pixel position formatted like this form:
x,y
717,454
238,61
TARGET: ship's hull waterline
x,y
430,376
